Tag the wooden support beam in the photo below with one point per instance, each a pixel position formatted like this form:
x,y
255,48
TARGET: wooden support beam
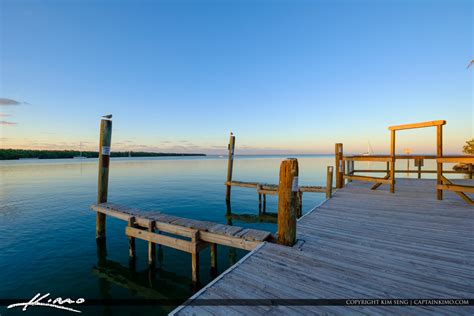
x,y
456,187
151,245
131,239
417,125
392,161
339,166
195,259
259,188
213,257
329,175
230,164
103,180
287,202
439,164
456,159
370,179
264,203
470,170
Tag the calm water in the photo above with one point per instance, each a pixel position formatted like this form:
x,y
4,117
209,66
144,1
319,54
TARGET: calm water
x,y
48,230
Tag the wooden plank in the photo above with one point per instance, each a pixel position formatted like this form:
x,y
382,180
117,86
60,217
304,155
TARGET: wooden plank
x,y
168,241
369,179
228,241
457,159
417,125
456,188
367,158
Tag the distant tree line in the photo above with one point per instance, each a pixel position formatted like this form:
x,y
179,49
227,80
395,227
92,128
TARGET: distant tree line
x,y
9,154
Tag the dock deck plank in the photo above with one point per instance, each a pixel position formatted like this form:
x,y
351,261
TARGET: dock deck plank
x,y
361,244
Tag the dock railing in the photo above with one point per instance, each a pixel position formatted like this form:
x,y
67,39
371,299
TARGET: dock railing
x,y
345,165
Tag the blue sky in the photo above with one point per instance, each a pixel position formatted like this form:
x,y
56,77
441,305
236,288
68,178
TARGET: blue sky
x,y
285,76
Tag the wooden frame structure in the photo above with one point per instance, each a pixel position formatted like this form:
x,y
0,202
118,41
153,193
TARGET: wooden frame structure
x,y
345,169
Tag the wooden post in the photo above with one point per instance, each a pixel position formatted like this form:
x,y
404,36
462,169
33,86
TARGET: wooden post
x,y
392,164
339,166
299,207
287,202
469,168
151,246
264,203
195,259
131,240
213,258
349,169
230,164
329,175
439,165
259,188
103,181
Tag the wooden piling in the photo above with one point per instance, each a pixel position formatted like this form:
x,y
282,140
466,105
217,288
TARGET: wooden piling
x,y
259,188
213,258
151,245
392,162
329,175
131,240
287,202
230,164
439,165
264,203
469,168
339,166
195,259
103,181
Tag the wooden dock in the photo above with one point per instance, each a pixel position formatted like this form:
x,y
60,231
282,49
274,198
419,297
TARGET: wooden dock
x,y
361,243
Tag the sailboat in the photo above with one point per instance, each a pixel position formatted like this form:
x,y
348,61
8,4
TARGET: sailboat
x,y
369,150
80,153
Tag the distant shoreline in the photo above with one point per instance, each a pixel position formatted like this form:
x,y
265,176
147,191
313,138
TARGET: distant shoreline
x,y
16,154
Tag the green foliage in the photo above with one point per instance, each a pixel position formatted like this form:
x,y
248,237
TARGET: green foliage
x,y
8,154
469,147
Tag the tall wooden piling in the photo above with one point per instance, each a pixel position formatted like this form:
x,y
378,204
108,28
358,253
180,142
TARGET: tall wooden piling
x,y
195,259
230,164
439,165
329,175
287,202
151,246
339,166
103,181
131,241
392,162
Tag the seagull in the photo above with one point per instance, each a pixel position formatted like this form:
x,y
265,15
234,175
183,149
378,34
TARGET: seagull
x,y
471,63
107,116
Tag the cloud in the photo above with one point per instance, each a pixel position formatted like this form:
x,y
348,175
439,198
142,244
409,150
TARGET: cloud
x,y
5,102
4,115
7,123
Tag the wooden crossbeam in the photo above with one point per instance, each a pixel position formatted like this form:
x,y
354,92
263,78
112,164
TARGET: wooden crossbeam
x,y
369,179
417,125
448,185
375,186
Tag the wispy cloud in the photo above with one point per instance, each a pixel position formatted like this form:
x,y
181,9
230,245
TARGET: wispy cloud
x,y
7,123
4,115
6,102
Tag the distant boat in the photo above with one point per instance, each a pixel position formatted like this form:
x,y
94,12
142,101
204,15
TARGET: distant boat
x,y
80,153
369,150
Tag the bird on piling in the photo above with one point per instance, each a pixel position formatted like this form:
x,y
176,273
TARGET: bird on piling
x,y
109,116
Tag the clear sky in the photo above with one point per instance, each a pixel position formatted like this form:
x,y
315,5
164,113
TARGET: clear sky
x,y
285,76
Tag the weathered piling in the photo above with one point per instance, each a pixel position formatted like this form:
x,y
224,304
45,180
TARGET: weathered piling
x,y
392,161
287,202
151,245
195,259
230,164
339,166
103,181
439,165
329,175
131,241
213,258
